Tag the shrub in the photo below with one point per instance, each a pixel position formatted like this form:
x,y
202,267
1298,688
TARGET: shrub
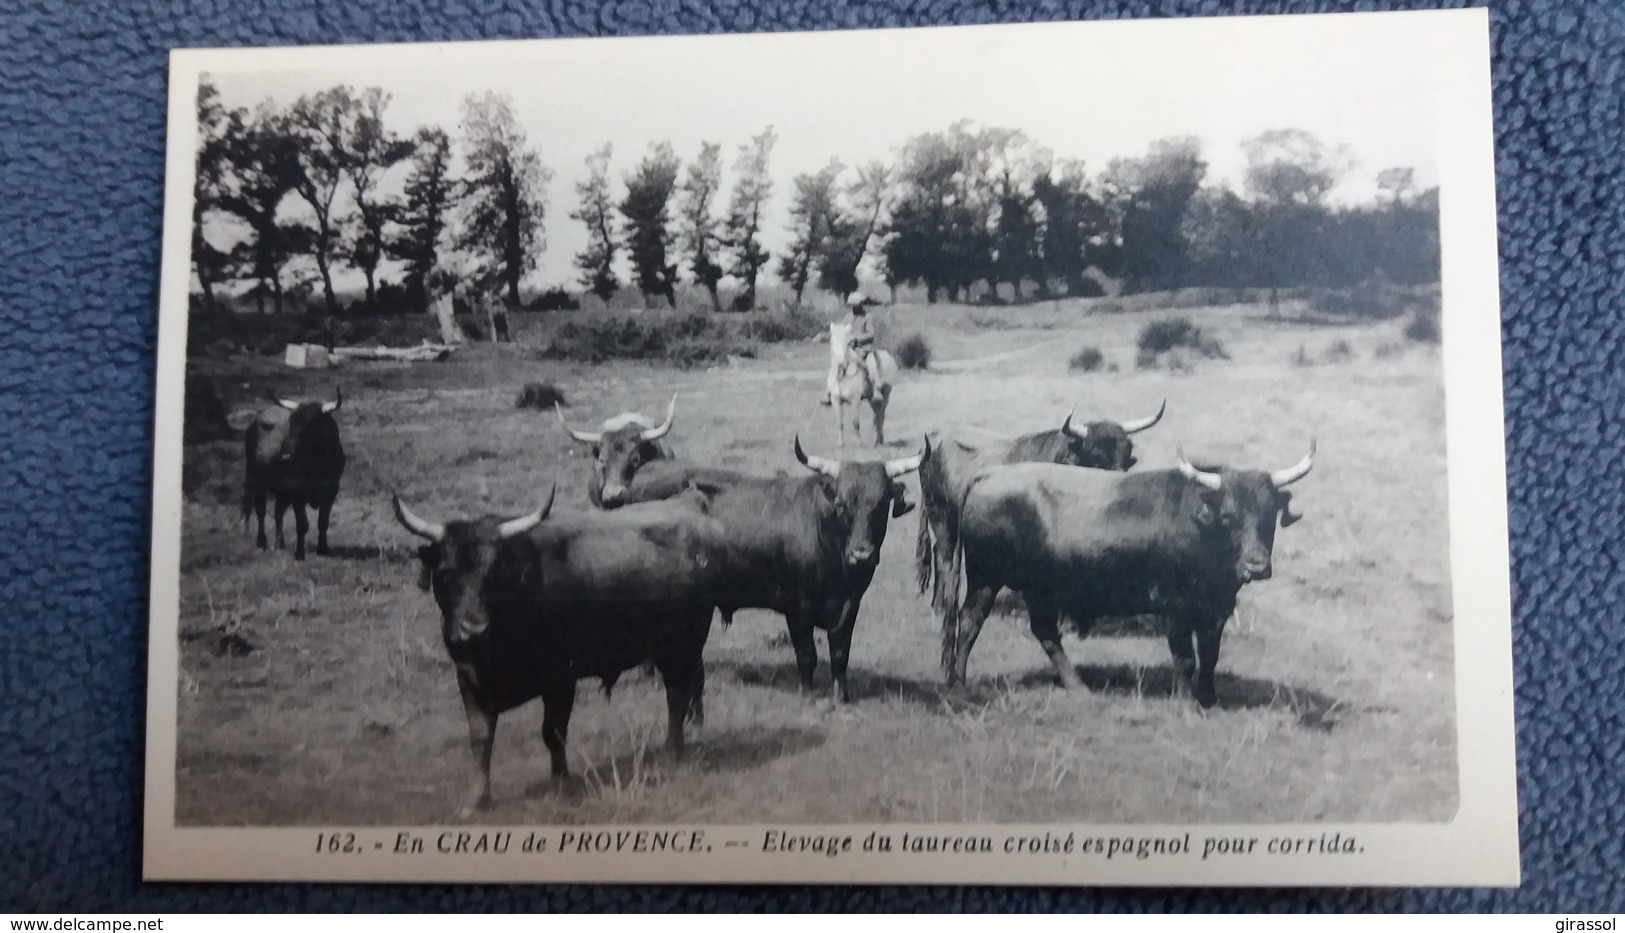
x,y
1087,359
540,395
1339,352
1168,333
1145,359
1302,357
913,352
1424,326
1368,302
1387,349
555,299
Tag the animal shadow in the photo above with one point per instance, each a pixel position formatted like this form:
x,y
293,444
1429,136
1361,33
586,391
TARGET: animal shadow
x,y
1312,709
391,554
719,753
863,684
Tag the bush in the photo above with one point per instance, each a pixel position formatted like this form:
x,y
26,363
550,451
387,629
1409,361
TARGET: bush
x,y
555,299
1385,350
1145,359
685,340
1339,352
540,395
1169,333
1424,326
1302,358
1368,302
913,352
1087,359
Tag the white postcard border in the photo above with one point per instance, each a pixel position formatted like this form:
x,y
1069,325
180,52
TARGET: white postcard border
x,y
1479,847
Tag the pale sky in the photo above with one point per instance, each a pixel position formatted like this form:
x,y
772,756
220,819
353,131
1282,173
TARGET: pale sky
x,y
1090,91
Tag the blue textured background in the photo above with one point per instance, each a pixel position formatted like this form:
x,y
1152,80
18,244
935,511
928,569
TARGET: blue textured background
x,y
82,91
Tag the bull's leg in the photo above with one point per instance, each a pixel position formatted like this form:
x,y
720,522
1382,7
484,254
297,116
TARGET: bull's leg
x,y
801,639
259,512
1207,658
482,728
281,510
1184,654
696,706
301,525
556,708
878,406
681,690
978,603
323,513
840,650
1044,620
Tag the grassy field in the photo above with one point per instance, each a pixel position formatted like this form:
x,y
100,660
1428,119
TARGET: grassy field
x,y
319,693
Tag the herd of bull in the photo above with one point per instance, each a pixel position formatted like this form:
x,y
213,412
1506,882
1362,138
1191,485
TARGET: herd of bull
x,y
532,604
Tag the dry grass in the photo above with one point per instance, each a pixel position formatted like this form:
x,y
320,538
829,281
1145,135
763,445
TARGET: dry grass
x,y
319,693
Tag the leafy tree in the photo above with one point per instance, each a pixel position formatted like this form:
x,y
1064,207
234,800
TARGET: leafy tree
x,y
422,219
264,163
596,210
1150,196
506,187
752,188
647,223
1398,183
219,131
938,231
370,152
851,233
699,234
811,215
323,124
1289,173
1074,229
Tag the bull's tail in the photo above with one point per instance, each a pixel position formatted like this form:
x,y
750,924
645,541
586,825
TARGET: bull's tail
x,y
923,549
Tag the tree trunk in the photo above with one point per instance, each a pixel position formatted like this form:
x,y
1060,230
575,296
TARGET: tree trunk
x,y
716,300
930,293
330,299
372,291
513,284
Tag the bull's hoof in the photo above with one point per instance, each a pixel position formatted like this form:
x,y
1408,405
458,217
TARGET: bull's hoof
x,y
262,544
1206,698
480,804
322,550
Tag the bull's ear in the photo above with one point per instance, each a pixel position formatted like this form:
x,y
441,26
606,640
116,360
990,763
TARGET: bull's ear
x,y
1288,517
1207,512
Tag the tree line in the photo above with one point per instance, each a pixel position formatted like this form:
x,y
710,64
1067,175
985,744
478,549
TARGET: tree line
x,y
968,211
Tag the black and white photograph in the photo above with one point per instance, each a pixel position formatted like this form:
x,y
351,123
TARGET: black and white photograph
x,y
1044,453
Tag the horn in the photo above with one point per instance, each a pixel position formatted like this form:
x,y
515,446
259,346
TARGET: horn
x,y
582,436
896,468
655,434
417,526
1070,431
525,523
1135,427
1210,480
1297,471
829,468
338,399
291,406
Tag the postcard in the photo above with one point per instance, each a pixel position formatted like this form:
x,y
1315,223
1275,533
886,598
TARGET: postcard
x,y
1041,454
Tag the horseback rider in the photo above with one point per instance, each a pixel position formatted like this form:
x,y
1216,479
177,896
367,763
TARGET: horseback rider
x,y
861,336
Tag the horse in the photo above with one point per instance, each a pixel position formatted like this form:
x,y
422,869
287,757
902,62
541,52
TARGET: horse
x,y
848,384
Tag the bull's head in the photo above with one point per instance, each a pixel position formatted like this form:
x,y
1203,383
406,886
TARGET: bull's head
x,y
457,561
863,495
622,445
1105,445
1241,507
305,414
